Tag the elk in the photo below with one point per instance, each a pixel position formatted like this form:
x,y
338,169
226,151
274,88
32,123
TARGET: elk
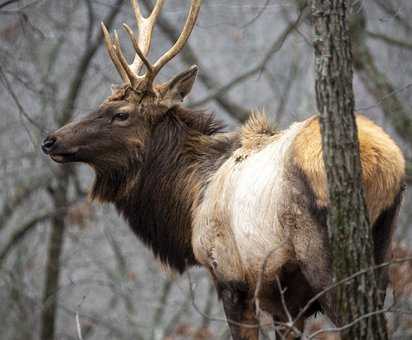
x,y
229,201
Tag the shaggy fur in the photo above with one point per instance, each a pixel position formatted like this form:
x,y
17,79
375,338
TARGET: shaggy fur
x,y
198,195
183,149
228,201
383,165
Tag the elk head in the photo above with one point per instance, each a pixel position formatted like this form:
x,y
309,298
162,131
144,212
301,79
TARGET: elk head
x,y
112,138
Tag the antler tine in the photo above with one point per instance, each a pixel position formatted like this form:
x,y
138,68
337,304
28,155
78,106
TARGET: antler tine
x,y
181,41
146,26
156,10
137,48
131,75
137,12
152,16
113,55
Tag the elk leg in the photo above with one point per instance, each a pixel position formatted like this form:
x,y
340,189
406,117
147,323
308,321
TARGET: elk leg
x,y
315,263
382,231
285,333
239,309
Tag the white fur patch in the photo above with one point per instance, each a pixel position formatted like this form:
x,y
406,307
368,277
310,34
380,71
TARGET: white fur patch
x,y
237,224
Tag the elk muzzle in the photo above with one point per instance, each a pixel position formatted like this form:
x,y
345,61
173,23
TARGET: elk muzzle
x,y
48,144
54,146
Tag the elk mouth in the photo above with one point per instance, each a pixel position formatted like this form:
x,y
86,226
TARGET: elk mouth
x,y
57,151
63,157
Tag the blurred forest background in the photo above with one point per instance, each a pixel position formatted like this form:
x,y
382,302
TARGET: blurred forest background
x,y
66,262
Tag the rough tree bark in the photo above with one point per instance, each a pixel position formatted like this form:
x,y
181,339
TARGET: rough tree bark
x,y
350,233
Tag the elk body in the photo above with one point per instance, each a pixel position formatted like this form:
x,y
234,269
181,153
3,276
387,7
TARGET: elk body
x,y
248,205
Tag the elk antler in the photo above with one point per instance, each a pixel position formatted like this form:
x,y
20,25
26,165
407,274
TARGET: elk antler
x,y
131,73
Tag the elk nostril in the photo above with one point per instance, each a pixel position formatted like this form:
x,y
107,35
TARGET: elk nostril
x,y
47,144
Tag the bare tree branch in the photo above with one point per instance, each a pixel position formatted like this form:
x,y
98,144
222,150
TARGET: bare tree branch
x,y
409,172
393,14
21,232
22,111
350,278
78,327
378,84
16,11
53,268
349,325
21,193
286,91
178,314
91,21
275,47
59,194
118,332
390,40
188,56
209,305
122,265
79,77
159,312
197,309
6,3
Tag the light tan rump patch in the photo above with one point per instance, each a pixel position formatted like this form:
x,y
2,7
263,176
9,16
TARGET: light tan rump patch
x,y
383,165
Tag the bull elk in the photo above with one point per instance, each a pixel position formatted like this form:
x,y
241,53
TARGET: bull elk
x,y
228,201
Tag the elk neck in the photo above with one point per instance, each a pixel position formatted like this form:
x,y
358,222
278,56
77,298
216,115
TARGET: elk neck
x,y
184,150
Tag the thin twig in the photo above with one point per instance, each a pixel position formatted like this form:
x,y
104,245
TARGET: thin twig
x,y
16,10
389,40
387,7
79,77
345,280
21,232
188,56
382,99
6,3
78,327
276,46
339,329
282,298
21,193
16,100
257,16
260,277
232,322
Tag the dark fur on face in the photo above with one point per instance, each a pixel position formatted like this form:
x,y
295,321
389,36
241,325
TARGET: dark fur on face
x,y
184,148
161,183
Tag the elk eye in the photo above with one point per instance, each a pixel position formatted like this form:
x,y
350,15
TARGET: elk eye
x,y
121,116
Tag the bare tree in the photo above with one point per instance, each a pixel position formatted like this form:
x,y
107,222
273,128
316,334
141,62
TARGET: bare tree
x,y
350,233
59,193
59,270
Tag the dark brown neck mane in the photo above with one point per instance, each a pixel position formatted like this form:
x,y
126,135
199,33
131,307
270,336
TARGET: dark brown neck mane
x,y
184,149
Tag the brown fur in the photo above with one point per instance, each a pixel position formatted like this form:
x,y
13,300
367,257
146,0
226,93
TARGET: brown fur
x,y
383,165
165,168
256,132
182,149
234,250
194,194
152,166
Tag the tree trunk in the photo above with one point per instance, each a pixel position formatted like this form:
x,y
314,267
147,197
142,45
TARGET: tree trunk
x,y
350,234
54,251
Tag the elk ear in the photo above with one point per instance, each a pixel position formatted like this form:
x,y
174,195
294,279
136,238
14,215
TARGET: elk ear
x,y
177,88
